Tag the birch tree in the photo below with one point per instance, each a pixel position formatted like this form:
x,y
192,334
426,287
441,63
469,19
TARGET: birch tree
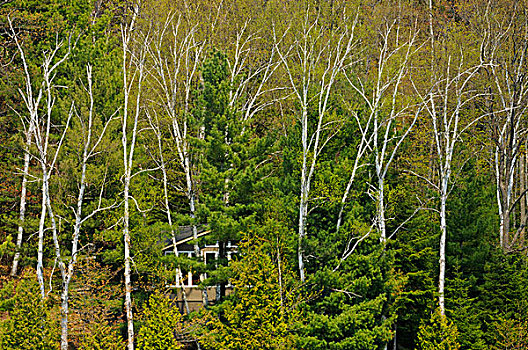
x,y
28,134
313,62
448,99
251,73
90,145
157,126
174,71
505,29
391,115
133,70
23,194
40,105
40,127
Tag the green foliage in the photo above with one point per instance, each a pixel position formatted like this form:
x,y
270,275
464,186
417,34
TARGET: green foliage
x,y
245,177
94,307
438,333
29,322
462,310
6,245
261,312
101,336
502,292
353,307
159,322
511,333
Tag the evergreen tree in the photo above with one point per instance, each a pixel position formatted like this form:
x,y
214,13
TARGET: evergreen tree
x,y
351,309
438,334
261,312
159,322
30,323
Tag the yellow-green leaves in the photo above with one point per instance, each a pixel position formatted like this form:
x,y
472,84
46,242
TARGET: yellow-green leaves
x,y
438,334
260,313
160,320
29,324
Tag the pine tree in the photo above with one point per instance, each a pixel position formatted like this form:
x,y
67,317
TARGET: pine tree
x,y
30,323
160,321
438,334
261,312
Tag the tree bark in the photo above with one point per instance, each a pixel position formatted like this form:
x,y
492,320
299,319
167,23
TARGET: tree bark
x,y
128,282
87,153
305,191
443,239
40,246
23,195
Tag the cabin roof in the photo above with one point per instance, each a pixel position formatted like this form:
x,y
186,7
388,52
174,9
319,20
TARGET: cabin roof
x,y
186,235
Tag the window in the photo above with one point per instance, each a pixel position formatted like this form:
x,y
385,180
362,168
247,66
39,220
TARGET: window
x,y
210,258
210,261
186,275
195,279
185,279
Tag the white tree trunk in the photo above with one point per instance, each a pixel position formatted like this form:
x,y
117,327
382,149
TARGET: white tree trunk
x,y
137,60
40,245
305,190
128,282
88,152
184,57
64,316
320,61
179,277
443,239
381,210
23,195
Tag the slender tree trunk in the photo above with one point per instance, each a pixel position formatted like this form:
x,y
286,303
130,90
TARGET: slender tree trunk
x,y
361,149
499,194
64,316
179,274
303,210
65,278
179,277
524,200
78,220
220,287
345,196
381,223
192,207
126,232
23,194
40,247
64,294
71,266
128,282
305,190
506,230
503,198
32,105
443,238
381,210
128,156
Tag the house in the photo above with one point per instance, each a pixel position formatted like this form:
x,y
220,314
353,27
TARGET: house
x,y
190,281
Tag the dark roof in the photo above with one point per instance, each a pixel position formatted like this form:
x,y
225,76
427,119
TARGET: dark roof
x,y
185,235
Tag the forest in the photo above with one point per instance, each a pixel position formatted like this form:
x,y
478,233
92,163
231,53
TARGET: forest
x,y
263,174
